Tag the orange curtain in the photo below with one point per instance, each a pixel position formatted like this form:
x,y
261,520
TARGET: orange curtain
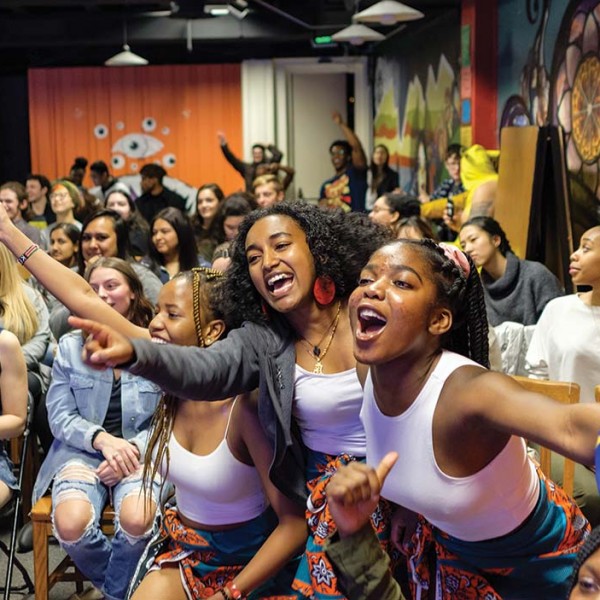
x,y
130,116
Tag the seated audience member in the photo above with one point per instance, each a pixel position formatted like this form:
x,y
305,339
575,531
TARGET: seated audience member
x,y
104,182
172,244
274,169
155,196
13,406
415,228
205,221
105,234
24,313
77,171
231,214
64,200
585,580
347,188
267,190
138,228
562,349
39,211
14,198
390,209
515,290
63,246
453,184
259,157
100,422
381,178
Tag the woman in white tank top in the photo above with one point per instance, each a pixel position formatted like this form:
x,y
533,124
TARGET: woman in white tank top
x,y
498,528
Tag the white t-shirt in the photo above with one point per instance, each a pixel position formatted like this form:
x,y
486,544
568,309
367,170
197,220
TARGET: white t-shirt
x,y
566,345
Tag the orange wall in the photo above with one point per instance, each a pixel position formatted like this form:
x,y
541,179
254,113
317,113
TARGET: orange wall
x,y
130,116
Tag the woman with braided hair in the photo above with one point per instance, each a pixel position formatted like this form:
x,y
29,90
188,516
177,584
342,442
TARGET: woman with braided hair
x,y
293,268
496,527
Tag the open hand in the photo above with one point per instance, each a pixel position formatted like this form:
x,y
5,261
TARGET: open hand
x,y
222,138
337,117
104,348
353,493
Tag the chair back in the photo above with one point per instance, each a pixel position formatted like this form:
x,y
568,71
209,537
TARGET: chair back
x,y
561,391
597,393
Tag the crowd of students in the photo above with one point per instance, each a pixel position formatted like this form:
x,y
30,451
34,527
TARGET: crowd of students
x,y
317,419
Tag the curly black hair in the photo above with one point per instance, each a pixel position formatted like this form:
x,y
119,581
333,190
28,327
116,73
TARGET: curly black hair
x,y
463,296
340,244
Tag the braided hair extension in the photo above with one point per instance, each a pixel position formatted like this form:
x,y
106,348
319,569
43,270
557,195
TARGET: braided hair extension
x,y
206,292
463,295
591,544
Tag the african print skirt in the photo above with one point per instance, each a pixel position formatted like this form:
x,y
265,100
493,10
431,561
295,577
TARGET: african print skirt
x,y
534,561
209,559
315,577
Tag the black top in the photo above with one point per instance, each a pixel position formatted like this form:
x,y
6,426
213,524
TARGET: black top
x,y
114,413
150,205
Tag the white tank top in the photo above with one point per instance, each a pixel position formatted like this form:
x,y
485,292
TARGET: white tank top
x,y
327,410
215,489
485,505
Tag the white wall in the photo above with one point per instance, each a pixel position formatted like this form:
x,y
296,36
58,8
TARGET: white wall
x,y
271,111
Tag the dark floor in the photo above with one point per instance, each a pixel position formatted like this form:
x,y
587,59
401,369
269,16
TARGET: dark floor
x,y
61,591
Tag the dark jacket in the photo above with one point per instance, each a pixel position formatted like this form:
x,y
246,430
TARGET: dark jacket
x,y
149,205
248,170
250,357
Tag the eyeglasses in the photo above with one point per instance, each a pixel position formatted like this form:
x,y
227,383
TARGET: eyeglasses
x,y
340,152
377,209
59,195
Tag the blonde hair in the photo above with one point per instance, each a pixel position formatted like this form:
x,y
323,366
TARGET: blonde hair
x,y
17,310
268,178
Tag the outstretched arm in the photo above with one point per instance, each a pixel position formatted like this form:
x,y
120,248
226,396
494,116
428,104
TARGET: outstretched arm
x,y
230,157
500,403
70,288
359,159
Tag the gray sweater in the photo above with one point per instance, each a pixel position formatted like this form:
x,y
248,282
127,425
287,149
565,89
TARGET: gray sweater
x,y
521,293
250,357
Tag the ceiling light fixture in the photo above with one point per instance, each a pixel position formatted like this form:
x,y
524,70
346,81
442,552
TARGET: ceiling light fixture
x,y
126,58
357,34
388,12
216,10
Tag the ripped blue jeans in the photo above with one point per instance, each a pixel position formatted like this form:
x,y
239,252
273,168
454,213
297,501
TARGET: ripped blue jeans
x,y
109,563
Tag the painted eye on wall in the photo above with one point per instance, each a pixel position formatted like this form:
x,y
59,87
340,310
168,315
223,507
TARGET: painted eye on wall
x,y
149,124
117,161
101,131
137,145
169,160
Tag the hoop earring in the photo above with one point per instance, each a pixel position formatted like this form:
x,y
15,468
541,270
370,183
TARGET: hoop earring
x,y
324,290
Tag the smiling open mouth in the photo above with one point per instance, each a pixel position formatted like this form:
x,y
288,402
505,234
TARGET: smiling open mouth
x,y
280,283
370,322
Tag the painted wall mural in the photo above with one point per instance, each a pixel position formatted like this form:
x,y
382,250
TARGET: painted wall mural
x,y
417,105
556,46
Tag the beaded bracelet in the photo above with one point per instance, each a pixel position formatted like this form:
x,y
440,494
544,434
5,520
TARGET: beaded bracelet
x,y
25,256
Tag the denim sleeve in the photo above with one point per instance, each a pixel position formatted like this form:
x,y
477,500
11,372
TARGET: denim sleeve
x,y
65,420
363,567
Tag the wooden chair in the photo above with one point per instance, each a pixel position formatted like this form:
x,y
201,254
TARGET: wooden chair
x,y
567,393
66,570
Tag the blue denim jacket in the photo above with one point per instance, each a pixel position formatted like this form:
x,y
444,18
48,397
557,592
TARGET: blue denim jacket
x,y
77,402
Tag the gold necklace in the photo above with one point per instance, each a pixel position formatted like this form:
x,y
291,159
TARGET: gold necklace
x,y
315,350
